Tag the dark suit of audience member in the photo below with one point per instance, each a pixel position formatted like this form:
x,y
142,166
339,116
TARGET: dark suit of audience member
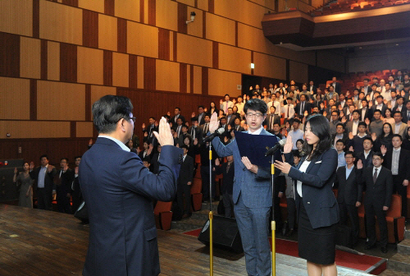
x,y
365,113
367,161
154,161
349,191
345,139
203,150
44,187
400,171
270,120
76,193
337,87
378,194
227,170
302,107
184,184
63,181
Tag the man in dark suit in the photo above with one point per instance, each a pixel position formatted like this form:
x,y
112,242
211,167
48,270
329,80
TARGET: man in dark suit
x,y
349,194
312,88
227,171
177,114
184,183
379,189
44,176
75,186
336,86
365,111
366,156
303,106
63,180
201,115
397,160
271,118
118,191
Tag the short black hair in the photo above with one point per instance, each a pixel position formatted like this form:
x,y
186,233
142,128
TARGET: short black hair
x,y
78,156
362,124
257,105
368,138
350,152
108,110
184,147
340,141
44,155
377,110
64,158
398,135
377,153
340,124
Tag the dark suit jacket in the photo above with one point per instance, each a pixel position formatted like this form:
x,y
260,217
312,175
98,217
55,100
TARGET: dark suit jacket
x,y
48,180
118,191
368,114
308,107
404,161
276,119
187,171
173,120
367,163
63,184
318,198
378,193
350,189
227,179
338,88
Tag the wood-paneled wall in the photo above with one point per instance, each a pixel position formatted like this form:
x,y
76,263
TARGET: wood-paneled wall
x,y
58,57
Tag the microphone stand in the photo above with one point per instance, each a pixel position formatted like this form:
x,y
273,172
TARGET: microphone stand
x,y
211,216
273,223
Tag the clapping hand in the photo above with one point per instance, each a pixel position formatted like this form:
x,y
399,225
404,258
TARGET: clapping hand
x,y
359,164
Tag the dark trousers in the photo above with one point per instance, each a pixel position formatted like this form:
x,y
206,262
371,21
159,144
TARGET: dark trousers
x,y
43,199
228,205
63,203
291,213
184,195
205,182
401,190
350,211
372,210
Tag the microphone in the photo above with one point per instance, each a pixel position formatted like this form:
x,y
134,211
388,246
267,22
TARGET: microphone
x,y
275,148
218,132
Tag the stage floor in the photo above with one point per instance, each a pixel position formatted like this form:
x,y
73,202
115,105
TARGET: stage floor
x,y
36,242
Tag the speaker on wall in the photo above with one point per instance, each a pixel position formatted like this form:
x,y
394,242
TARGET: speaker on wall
x,y
225,234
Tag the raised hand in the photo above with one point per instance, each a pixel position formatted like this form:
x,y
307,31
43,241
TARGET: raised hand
x,y
374,136
15,171
287,148
359,164
213,124
164,135
383,149
193,115
367,121
351,136
143,126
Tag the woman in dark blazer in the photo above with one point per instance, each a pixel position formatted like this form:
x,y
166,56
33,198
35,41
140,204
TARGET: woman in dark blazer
x,y
318,211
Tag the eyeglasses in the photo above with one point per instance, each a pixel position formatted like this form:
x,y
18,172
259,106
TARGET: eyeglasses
x,y
254,115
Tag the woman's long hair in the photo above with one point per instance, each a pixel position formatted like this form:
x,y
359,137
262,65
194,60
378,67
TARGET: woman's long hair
x,y
320,127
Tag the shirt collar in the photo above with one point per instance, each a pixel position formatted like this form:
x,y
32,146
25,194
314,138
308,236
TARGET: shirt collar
x,y
118,142
256,132
397,149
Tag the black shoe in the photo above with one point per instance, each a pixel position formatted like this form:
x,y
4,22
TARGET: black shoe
x,y
370,246
384,249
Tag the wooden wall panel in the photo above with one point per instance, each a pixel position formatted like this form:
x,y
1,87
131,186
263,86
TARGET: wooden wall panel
x,y
223,82
171,46
108,67
33,129
197,79
33,100
140,72
253,39
36,18
30,53
16,17
133,72
53,60
194,50
182,18
15,99
149,73
107,32
163,44
167,14
203,5
228,59
143,46
84,129
215,31
90,29
60,101
145,4
9,55
167,76
239,10
152,17
183,77
196,28
129,10
61,23
97,6
122,35
109,7
100,91
120,67
90,66
268,66
68,62
298,71
187,2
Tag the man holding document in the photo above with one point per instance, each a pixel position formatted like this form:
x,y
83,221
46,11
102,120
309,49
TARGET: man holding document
x,y
252,192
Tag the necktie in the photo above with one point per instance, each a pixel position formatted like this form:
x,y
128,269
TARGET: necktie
x,y
226,107
227,167
302,107
408,114
374,176
287,113
206,128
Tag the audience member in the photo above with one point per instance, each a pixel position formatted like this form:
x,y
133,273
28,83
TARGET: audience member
x,y
227,170
44,177
24,185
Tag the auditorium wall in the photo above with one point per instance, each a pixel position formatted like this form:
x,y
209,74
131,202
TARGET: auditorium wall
x,y
58,57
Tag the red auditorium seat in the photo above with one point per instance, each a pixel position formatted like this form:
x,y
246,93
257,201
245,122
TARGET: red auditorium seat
x,y
395,222
196,194
386,72
394,71
362,223
163,215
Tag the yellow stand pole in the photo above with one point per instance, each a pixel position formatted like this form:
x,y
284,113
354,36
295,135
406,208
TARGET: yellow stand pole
x,y
273,223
